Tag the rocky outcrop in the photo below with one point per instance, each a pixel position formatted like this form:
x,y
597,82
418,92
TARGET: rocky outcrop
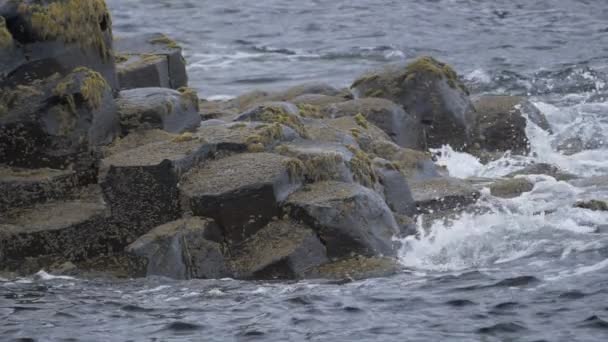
x,y
39,39
161,108
401,127
501,124
150,60
544,169
356,268
509,188
280,250
431,92
442,194
182,249
241,192
348,218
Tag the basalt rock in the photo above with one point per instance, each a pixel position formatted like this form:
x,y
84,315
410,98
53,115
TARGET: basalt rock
x,y
414,165
501,124
41,38
544,169
320,161
509,188
182,249
162,108
241,192
67,230
402,128
595,205
284,113
238,137
26,187
150,60
280,250
431,92
397,193
349,218
140,185
442,194
57,121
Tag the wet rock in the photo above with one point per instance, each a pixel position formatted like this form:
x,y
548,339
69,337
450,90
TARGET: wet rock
x,y
574,141
348,218
317,100
26,187
70,230
356,268
320,161
183,249
397,193
284,113
407,227
240,192
501,124
140,185
388,116
39,39
431,92
241,137
304,89
280,250
150,60
595,205
544,169
136,139
414,165
56,122
510,188
161,108
442,194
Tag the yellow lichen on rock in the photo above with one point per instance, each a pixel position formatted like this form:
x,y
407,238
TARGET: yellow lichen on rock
x,y
362,167
309,111
295,168
71,21
92,87
6,38
278,115
428,65
361,121
189,96
163,39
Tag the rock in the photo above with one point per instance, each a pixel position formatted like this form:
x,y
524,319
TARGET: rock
x,y
348,218
40,39
594,205
26,187
140,185
241,137
543,169
182,249
70,230
320,161
304,89
501,124
150,60
414,165
431,92
240,192
161,108
136,139
284,113
510,188
58,121
245,101
281,250
356,268
391,118
316,100
442,194
397,193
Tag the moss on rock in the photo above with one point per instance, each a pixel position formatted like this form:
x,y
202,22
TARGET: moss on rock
x,y
71,21
90,84
165,40
6,39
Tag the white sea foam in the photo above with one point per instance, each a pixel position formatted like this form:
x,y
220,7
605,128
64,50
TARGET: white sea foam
x,y
43,275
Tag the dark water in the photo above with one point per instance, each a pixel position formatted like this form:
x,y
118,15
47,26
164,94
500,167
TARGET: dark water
x,y
506,275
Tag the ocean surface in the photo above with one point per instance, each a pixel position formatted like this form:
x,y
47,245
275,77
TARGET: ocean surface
x,y
532,268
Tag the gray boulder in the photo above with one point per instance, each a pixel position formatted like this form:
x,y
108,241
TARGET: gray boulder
x,y
182,249
397,193
431,92
241,192
41,39
356,268
57,121
280,250
510,188
402,128
544,169
240,137
140,185
442,194
349,218
160,108
150,60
